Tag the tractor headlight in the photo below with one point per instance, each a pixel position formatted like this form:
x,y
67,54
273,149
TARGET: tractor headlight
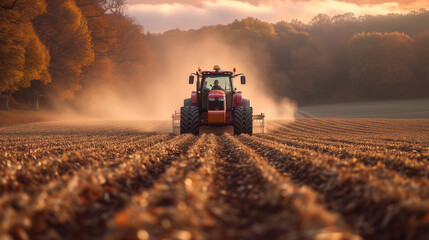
x,y
212,98
220,99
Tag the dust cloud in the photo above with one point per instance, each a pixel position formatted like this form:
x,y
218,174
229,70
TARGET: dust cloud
x,y
161,91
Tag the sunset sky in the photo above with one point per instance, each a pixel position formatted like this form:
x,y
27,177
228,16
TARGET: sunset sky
x,y
161,15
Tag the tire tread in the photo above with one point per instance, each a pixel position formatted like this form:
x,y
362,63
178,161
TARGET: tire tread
x,y
189,120
243,120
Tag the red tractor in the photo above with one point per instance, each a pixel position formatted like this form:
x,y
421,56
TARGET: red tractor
x,y
216,103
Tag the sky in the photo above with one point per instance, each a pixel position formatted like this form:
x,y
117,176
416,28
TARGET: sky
x,y
158,16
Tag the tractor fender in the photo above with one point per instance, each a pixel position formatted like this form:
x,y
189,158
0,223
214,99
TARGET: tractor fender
x,y
237,100
191,101
187,102
245,102
194,100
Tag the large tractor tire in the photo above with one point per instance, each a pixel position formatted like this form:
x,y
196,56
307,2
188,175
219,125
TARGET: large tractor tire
x,y
243,120
189,120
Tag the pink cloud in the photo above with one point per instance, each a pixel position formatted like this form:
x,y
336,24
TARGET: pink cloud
x,y
201,3
162,15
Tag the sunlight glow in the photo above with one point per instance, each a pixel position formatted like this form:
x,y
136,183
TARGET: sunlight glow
x,y
162,17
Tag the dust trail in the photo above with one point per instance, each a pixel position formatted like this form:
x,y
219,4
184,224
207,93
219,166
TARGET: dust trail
x,y
161,90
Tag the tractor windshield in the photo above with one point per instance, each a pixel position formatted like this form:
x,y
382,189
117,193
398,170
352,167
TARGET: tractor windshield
x,y
224,83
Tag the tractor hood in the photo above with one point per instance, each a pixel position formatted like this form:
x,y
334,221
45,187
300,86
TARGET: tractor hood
x,y
216,107
216,94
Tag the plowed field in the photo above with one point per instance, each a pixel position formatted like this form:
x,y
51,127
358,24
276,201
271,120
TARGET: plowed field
x,y
307,179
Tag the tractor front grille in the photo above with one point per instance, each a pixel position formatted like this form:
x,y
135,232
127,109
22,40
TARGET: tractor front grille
x,y
216,103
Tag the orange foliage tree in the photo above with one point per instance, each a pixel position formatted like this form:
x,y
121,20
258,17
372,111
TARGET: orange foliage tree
x,y
23,56
64,30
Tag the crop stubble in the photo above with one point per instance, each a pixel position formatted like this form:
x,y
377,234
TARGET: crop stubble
x,y
310,179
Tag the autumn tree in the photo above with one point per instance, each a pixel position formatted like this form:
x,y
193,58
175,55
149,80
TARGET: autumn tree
x,y
310,72
422,65
251,27
10,5
64,30
122,56
23,56
381,65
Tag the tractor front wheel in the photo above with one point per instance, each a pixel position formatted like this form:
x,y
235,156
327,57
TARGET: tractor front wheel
x,y
190,120
243,120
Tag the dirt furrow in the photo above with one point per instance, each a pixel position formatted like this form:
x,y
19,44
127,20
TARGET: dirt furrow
x,y
325,126
371,201
176,207
30,176
266,204
367,144
359,139
26,154
231,195
415,186
408,164
77,206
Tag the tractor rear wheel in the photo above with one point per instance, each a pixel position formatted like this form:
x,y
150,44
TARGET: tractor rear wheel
x,y
243,120
190,120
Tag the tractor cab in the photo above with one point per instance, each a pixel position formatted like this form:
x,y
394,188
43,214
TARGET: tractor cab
x,y
213,83
208,83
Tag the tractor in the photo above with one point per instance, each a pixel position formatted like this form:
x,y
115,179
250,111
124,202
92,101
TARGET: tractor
x,y
216,103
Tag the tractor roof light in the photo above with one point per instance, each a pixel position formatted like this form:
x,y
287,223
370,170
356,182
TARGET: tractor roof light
x,y
199,69
216,68
234,69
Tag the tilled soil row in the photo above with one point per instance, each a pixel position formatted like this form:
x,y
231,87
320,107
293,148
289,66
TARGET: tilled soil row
x,y
371,124
115,181
338,124
77,207
31,175
331,137
417,151
377,137
368,128
30,151
415,186
371,201
325,127
408,164
176,207
263,204
17,144
222,190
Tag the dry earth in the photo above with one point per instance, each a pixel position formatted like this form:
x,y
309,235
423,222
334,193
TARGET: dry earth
x,y
310,179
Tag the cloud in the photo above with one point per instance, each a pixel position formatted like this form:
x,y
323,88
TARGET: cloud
x,y
162,15
202,3
197,3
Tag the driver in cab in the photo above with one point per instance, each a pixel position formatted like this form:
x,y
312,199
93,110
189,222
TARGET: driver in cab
x,y
216,85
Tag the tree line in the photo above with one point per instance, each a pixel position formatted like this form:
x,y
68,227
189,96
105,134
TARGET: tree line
x,y
61,49
331,59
